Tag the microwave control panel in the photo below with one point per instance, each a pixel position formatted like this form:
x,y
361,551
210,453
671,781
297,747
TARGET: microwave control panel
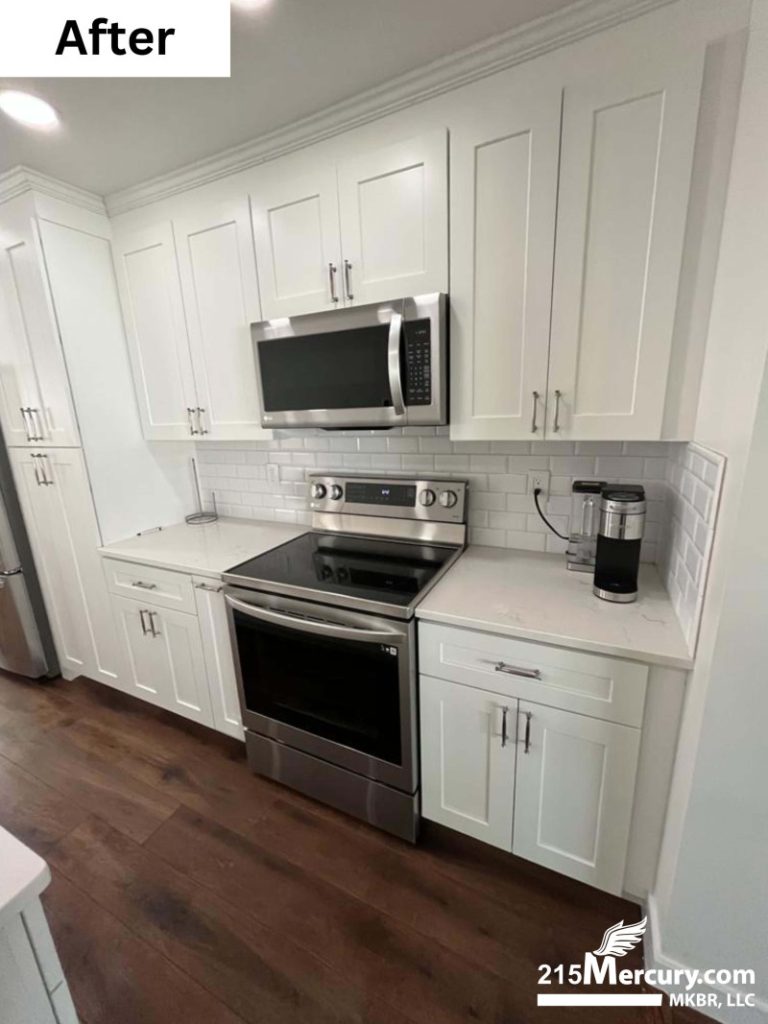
x,y
418,362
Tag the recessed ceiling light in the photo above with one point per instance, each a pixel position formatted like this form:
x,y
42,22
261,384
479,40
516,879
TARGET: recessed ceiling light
x,y
27,109
250,5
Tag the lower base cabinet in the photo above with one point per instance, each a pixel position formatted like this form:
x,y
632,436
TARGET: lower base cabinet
x,y
219,661
166,665
549,785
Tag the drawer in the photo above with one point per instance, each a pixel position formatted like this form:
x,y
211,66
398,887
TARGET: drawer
x,y
147,583
589,684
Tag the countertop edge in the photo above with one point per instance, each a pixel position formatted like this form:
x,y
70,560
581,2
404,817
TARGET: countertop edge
x,y
160,563
557,640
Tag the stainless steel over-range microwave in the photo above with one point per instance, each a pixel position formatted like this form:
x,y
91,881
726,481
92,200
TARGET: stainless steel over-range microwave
x,y
381,365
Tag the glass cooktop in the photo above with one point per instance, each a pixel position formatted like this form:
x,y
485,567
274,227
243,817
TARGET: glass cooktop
x,y
373,570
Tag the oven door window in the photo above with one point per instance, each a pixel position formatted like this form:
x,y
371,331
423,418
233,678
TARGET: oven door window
x,y
344,691
338,370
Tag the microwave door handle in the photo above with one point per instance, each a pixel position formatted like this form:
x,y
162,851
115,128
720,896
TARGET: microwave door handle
x,y
330,629
393,362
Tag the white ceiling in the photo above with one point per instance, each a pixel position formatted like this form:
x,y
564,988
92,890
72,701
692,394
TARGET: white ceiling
x,y
290,59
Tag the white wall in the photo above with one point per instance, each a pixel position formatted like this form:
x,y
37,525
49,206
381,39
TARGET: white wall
x,y
710,897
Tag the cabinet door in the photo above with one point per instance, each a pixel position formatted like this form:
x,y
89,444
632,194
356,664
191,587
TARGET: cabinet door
x,y
503,201
221,299
295,211
58,512
165,658
393,206
574,792
148,277
219,661
468,760
627,149
32,372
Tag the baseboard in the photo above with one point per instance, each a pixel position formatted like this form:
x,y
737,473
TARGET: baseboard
x,y
656,958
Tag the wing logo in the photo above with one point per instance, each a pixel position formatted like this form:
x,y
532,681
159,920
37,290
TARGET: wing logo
x,y
620,938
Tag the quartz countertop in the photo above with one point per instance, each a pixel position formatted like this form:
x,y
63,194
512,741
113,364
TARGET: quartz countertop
x,y
533,596
207,550
23,876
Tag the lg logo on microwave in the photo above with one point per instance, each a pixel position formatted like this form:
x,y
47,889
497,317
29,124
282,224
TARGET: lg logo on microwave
x,y
114,39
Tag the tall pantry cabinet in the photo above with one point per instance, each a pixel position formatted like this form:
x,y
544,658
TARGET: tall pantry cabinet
x,y
61,342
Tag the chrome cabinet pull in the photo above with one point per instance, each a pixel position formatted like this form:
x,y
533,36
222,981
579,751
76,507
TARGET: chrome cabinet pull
x,y
528,717
37,421
191,414
504,713
151,616
36,467
209,587
143,585
348,279
556,425
514,670
41,474
47,480
332,281
201,421
27,422
142,613
534,427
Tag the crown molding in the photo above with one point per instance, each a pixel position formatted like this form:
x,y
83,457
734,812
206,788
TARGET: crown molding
x,y
537,37
21,179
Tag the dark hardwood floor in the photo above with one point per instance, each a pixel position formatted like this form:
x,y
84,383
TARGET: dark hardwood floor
x,y
186,890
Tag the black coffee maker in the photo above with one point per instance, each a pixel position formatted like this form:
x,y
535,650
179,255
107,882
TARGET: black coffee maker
x,y
619,537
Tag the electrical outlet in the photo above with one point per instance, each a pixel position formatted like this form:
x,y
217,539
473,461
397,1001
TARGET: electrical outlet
x,y
539,478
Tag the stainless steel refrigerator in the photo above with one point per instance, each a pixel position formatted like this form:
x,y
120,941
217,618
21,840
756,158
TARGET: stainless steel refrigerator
x,y
26,644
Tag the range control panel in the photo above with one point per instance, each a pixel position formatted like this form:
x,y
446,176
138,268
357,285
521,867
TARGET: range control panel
x,y
439,501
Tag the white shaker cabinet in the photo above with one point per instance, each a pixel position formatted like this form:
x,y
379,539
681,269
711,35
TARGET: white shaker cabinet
x,y
504,159
573,794
58,512
165,658
393,209
295,213
158,346
221,300
468,759
628,137
219,657
35,404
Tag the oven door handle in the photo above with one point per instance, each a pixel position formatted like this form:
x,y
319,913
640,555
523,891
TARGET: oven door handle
x,y
330,629
393,363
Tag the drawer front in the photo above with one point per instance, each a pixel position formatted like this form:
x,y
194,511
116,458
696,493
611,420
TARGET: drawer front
x,y
589,684
146,583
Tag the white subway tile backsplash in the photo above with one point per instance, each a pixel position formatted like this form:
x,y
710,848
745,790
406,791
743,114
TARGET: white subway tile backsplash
x,y
268,480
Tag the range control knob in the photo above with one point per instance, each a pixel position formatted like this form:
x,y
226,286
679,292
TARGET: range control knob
x,y
337,492
427,498
448,499
318,491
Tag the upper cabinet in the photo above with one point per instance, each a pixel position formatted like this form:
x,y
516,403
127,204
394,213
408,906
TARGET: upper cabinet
x,y
567,232
368,229
190,293
35,404
627,148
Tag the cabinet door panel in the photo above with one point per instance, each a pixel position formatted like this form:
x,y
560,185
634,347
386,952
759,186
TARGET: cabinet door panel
x,y
574,793
296,233
394,220
503,202
221,298
18,384
219,661
468,771
165,658
157,337
64,535
627,150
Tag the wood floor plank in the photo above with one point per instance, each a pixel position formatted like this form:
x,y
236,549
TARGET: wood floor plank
x,y
33,811
260,974
115,977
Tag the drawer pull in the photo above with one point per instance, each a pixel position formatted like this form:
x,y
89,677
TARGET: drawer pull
x,y
209,587
514,670
144,586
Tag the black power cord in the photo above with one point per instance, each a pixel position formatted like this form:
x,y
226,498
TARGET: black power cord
x,y
536,493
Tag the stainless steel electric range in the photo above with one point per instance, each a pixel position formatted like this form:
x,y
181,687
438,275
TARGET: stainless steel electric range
x,y
324,633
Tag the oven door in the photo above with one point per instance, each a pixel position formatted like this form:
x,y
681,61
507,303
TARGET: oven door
x,y
332,683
